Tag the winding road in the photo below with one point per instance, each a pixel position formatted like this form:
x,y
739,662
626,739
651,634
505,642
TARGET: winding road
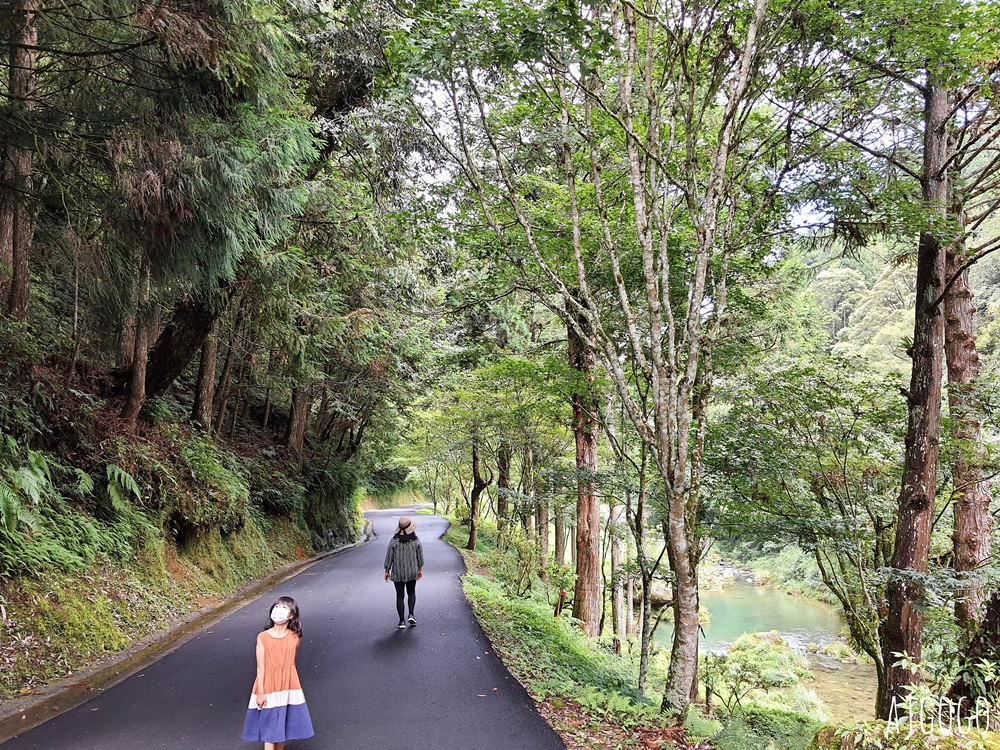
x,y
434,686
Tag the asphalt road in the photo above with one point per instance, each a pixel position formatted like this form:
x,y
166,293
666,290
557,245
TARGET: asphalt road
x,y
435,686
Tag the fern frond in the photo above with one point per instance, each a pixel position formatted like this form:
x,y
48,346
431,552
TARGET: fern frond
x,y
124,480
9,506
85,482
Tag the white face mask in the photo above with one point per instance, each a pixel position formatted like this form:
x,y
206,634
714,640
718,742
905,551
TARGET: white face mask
x,y
280,615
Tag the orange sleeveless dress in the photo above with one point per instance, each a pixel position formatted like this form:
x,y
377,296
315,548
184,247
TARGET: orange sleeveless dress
x,y
285,715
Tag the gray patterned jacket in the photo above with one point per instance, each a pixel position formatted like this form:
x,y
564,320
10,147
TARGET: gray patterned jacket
x,y
403,560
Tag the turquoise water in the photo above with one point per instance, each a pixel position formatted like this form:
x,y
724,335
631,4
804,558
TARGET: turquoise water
x,y
847,689
745,608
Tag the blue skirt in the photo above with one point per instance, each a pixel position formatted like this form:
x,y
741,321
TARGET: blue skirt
x,y
278,724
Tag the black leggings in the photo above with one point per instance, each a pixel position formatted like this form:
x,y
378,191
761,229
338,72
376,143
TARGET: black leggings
x,y
411,590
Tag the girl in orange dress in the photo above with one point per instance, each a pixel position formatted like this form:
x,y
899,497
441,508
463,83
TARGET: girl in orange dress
x,y
277,710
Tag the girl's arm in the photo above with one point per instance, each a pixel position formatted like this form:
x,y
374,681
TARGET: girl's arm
x,y
389,559
259,684
420,560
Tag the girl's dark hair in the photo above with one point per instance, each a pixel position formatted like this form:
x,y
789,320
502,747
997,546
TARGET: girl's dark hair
x,y
293,615
404,538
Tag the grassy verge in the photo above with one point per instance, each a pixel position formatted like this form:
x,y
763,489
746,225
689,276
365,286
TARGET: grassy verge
x,y
587,692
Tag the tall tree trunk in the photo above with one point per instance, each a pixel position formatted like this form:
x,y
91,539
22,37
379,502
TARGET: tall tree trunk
x,y
904,624
222,391
140,356
126,341
295,437
528,490
503,486
204,395
542,521
638,517
629,598
240,393
267,409
479,483
323,415
191,323
559,521
587,592
972,535
7,208
618,615
18,209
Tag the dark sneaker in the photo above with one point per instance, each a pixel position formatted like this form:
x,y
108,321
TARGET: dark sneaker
x,y
412,620
402,626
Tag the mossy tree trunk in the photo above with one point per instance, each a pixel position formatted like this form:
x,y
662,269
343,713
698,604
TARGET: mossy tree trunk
x,y
204,396
16,221
479,483
503,485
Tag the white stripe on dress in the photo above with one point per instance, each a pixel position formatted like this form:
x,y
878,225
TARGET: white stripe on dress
x,y
280,698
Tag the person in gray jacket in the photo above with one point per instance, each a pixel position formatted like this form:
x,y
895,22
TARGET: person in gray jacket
x,y
404,565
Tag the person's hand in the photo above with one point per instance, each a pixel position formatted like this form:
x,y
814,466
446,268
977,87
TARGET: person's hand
x,y
261,700
420,574
387,576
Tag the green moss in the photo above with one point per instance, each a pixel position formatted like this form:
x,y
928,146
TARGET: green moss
x,y
57,622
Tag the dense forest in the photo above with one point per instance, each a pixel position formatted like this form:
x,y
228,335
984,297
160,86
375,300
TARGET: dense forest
x,y
622,288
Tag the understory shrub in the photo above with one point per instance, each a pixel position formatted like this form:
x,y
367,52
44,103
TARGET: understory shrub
x,y
44,518
332,508
752,667
877,735
760,728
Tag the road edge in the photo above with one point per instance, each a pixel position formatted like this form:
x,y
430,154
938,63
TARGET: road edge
x,y
19,715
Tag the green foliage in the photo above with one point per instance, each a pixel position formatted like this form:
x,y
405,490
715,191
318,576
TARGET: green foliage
x,y
753,665
43,523
515,560
878,735
395,498
333,496
757,728
810,454
219,488
615,707
786,566
227,562
274,492
546,649
699,727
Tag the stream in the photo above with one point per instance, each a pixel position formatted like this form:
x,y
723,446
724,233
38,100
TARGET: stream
x,y
741,607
